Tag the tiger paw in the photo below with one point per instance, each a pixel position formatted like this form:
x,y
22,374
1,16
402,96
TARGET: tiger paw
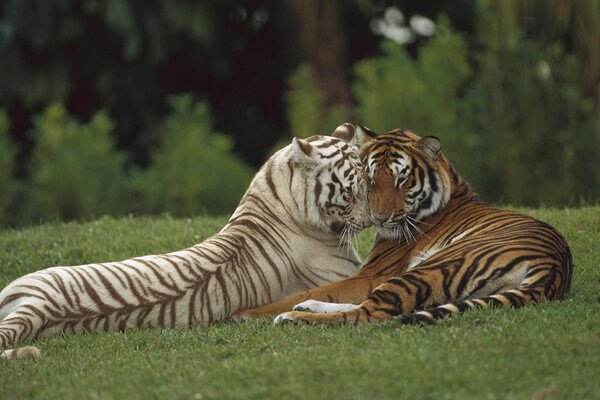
x,y
285,318
293,317
316,306
419,318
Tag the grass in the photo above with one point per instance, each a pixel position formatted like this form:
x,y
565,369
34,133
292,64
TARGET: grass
x,y
550,351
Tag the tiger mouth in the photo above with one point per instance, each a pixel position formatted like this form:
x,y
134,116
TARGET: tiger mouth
x,y
337,227
347,228
405,227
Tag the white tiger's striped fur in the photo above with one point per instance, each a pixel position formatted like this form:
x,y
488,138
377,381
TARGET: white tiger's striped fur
x,y
289,233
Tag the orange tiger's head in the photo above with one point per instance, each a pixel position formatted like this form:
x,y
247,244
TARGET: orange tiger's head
x,y
408,178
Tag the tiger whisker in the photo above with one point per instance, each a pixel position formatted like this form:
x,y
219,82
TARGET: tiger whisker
x,y
416,228
346,238
343,242
349,236
420,222
407,228
399,230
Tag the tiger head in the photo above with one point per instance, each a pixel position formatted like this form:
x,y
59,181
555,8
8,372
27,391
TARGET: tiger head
x,y
329,186
408,179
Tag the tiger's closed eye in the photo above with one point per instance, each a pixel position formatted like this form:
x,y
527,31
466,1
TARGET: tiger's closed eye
x,y
347,193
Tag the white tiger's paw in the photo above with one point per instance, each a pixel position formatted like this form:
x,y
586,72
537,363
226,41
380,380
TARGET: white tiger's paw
x,y
316,306
285,318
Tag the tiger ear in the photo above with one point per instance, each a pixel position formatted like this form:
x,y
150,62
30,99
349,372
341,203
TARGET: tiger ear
x,y
363,135
344,132
430,145
302,151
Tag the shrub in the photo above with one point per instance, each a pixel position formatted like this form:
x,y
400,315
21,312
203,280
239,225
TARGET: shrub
x,y
74,170
395,91
193,169
306,112
422,94
535,132
519,128
7,163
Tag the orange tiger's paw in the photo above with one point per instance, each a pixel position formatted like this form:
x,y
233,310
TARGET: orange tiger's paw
x,y
292,317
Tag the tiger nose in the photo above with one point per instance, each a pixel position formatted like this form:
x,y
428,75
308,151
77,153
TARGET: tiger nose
x,y
380,218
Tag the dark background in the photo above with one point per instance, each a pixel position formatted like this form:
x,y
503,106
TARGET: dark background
x,y
126,57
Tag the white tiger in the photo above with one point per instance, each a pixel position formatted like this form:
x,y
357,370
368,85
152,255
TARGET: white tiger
x,y
289,233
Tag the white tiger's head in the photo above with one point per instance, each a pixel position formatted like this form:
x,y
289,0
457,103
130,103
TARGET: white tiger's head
x,y
327,182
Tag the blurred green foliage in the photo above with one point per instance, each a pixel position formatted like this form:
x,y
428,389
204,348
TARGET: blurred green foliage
x,y
75,171
519,128
193,169
534,137
509,106
397,91
306,110
7,163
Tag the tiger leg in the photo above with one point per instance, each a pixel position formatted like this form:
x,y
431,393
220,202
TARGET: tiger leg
x,y
533,288
20,325
397,296
352,290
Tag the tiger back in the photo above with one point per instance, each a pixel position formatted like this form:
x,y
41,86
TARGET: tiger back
x,y
290,232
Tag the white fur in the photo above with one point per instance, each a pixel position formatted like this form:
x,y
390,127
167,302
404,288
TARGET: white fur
x,y
284,318
424,255
316,306
450,307
277,243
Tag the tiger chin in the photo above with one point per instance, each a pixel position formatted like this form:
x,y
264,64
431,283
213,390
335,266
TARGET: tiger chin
x,y
290,232
439,250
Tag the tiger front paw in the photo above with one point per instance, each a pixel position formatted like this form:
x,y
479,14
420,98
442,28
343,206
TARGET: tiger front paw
x,y
290,317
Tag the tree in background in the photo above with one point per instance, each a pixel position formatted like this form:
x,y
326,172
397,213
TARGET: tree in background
x,y
511,87
306,109
531,120
518,128
572,24
317,29
127,56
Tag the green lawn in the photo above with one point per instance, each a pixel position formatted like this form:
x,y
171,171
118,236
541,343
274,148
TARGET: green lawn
x,y
550,351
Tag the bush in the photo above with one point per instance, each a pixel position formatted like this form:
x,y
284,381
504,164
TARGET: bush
x,y
519,128
306,111
7,163
193,170
395,91
422,94
537,131
74,170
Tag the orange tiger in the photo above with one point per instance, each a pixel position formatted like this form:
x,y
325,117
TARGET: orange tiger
x,y
439,248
